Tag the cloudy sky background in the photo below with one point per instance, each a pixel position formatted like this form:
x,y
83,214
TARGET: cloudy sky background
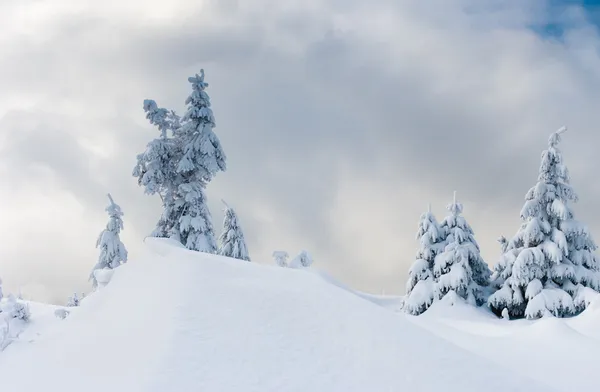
x,y
341,120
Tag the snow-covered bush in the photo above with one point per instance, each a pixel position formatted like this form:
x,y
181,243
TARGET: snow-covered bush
x,y
15,309
303,260
61,313
232,239
460,268
551,258
419,288
112,250
280,258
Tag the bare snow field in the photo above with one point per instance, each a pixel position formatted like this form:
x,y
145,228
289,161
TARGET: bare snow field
x,y
177,320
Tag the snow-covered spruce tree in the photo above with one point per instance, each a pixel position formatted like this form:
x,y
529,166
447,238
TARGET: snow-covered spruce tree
x,y
232,239
549,266
156,167
460,268
112,250
419,287
280,257
202,158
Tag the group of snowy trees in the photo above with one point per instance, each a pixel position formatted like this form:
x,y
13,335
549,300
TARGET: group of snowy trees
x,y
178,165
548,267
448,260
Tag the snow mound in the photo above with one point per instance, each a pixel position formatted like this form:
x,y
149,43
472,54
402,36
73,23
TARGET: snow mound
x,y
177,320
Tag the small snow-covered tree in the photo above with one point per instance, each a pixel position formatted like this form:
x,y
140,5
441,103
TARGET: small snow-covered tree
x,y
419,287
156,167
303,260
232,239
202,158
280,258
112,250
73,301
549,266
460,268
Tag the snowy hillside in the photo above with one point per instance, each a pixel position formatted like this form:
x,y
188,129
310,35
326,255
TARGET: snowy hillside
x,y
176,320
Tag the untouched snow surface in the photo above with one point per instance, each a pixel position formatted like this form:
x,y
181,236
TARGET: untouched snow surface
x,y
176,320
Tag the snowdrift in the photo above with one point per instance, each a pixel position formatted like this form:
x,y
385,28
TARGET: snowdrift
x,y
176,320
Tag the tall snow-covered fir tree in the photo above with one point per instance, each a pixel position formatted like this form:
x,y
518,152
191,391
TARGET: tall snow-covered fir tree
x,y
178,166
112,250
232,242
156,167
419,287
202,158
549,266
460,268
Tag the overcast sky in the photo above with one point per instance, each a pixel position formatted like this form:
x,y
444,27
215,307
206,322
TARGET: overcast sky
x,y
341,120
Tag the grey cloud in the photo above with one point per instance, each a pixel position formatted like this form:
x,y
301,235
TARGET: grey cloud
x,y
290,119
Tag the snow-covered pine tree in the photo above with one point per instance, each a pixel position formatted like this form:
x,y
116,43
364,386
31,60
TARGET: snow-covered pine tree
x,y
112,250
419,287
202,158
232,239
549,264
280,257
460,268
156,168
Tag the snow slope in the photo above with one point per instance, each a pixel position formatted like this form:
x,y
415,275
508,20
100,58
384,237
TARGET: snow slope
x,y
176,320
391,302
561,353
